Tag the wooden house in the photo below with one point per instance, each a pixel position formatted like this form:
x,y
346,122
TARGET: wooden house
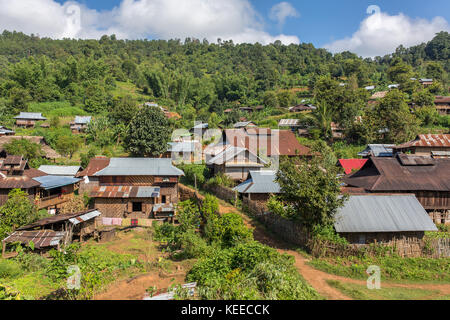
x,y
45,191
130,187
259,186
236,163
427,178
80,124
425,145
370,218
266,142
426,82
442,105
29,119
6,131
90,181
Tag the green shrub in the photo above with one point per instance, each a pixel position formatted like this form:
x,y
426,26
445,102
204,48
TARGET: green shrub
x,y
10,269
228,230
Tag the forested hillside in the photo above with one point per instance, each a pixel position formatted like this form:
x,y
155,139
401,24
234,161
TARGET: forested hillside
x,y
109,78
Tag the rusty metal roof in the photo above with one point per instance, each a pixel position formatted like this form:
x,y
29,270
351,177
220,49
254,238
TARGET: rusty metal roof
x,y
95,165
441,99
125,192
55,219
25,181
391,174
266,141
428,140
40,238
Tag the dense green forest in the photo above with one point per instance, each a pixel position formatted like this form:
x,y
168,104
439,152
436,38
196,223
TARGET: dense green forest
x,y
109,78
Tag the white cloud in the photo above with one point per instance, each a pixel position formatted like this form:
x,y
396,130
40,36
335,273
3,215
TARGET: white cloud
x,y
381,34
281,11
133,19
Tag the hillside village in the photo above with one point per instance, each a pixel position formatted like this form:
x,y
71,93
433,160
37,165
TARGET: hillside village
x,y
345,167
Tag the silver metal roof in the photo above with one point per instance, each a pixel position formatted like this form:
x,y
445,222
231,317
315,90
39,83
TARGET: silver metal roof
x,y
140,167
31,116
60,170
378,150
259,182
242,124
383,213
200,126
52,182
82,119
288,122
184,146
230,153
85,217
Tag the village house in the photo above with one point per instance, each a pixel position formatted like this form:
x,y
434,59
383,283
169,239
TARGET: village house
x,y
245,124
426,82
377,150
266,142
427,178
292,124
442,105
48,152
303,108
426,145
29,119
367,218
132,187
45,191
259,186
236,163
80,124
184,151
337,132
351,165
6,131
377,96
89,181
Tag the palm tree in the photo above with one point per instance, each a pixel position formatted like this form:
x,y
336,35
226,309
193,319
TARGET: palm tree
x,y
322,118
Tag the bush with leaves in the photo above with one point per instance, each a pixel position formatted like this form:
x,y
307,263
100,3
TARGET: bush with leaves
x,y
227,230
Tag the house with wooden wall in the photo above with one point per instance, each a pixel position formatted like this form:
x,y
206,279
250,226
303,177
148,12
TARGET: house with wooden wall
x,y
29,119
442,105
90,181
236,163
426,145
427,178
370,218
80,124
259,186
45,191
131,187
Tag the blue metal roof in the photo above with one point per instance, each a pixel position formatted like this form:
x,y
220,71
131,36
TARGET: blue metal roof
x,y
259,182
383,213
52,182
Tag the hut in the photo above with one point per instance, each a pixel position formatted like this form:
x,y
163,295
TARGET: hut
x,y
425,145
369,218
80,124
29,119
259,186
442,105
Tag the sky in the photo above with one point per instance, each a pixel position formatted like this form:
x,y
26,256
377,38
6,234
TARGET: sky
x,y
368,28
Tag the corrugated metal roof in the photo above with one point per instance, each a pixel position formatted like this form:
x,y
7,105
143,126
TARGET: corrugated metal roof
x,y
69,171
259,182
231,153
289,123
377,150
125,192
40,238
30,116
95,165
140,167
200,126
184,146
244,124
52,182
85,217
351,164
82,119
427,140
383,213
55,219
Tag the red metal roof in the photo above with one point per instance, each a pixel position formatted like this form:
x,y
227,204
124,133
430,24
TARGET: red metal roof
x,y
350,165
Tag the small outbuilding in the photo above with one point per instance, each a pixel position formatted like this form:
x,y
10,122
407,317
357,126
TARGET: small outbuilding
x,y
368,218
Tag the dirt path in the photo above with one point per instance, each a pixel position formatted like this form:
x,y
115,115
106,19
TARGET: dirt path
x,y
316,278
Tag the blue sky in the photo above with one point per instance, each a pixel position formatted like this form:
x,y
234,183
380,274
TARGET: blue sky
x,y
335,25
